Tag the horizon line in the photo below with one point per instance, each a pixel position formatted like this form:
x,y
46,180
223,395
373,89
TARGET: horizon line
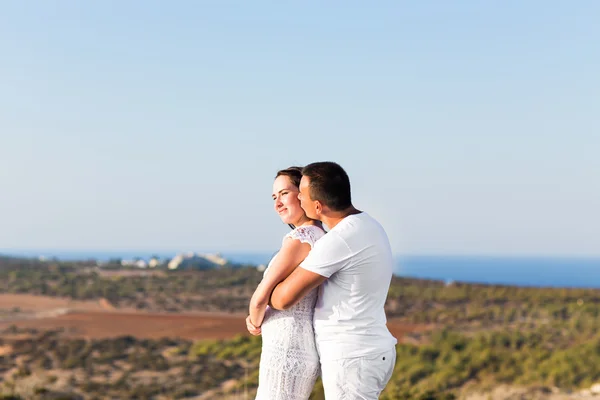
x,y
40,251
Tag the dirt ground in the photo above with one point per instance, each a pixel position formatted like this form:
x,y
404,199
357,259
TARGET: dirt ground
x,y
102,324
29,302
98,319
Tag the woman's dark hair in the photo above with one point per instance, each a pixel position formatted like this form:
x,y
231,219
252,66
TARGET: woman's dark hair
x,y
294,173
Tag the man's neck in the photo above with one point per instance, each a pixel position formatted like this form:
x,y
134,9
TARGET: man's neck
x,y
332,218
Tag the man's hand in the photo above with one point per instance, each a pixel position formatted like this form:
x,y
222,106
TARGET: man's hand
x,y
251,328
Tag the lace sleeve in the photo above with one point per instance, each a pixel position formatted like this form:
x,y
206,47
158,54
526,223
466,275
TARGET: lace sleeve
x,y
306,234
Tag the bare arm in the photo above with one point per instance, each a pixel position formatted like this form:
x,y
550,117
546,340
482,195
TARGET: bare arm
x,y
293,289
292,253
327,257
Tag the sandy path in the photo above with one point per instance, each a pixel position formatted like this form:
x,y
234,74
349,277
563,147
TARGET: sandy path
x,y
30,302
99,324
103,324
99,319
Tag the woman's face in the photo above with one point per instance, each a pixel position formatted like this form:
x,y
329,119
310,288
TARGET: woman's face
x,y
285,200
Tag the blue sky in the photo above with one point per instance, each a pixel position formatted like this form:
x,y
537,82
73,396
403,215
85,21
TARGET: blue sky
x,y
466,127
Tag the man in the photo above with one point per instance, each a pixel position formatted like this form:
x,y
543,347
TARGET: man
x,y
353,263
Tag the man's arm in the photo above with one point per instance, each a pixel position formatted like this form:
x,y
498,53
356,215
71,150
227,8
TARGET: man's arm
x,y
297,285
327,257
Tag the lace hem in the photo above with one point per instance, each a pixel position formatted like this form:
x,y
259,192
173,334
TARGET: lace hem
x,y
306,234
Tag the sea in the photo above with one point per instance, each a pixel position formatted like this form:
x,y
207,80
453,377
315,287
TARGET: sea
x,y
576,272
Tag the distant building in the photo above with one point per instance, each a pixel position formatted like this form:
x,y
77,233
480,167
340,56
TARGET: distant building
x,y
175,262
215,258
154,262
197,261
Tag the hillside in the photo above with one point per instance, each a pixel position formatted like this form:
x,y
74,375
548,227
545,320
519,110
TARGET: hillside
x,y
458,340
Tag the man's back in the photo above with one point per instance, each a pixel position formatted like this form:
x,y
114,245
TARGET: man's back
x,y
350,319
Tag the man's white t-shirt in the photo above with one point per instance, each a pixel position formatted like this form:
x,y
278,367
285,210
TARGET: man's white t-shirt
x,y
349,319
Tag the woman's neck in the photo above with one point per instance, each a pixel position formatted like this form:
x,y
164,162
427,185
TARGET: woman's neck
x,y
305,221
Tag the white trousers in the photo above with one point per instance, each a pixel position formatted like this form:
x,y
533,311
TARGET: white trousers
x,y
361,378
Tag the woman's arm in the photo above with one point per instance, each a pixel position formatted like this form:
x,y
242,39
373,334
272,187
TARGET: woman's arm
x,y
292,253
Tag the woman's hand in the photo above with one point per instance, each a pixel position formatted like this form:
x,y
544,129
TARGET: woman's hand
x,y
251,328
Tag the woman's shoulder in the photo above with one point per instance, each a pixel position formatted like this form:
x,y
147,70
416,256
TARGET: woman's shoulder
x,y
306,234
308,229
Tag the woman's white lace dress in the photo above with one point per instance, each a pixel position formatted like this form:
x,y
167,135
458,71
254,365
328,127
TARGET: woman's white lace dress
x,y
289,363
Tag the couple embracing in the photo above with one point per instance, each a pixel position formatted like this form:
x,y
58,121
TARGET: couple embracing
x,y
320,305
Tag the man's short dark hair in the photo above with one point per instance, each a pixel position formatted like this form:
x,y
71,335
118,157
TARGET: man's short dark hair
x,y
329,184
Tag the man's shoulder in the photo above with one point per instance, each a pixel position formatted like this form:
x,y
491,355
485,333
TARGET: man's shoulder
x,y
327,256
331,239
367,219
360,225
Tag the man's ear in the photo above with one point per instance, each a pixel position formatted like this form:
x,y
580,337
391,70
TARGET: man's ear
x,y
318,207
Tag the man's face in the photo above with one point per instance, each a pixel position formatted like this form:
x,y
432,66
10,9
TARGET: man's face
x,y
309,206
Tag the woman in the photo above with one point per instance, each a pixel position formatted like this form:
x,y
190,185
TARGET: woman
x,y
289,363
